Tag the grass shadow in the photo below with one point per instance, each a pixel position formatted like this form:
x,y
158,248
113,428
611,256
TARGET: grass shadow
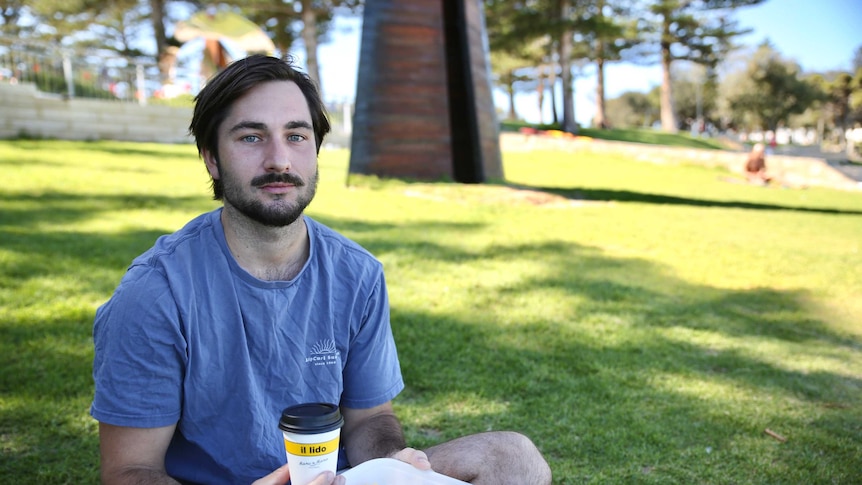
x,y
620,369
608,195
640,387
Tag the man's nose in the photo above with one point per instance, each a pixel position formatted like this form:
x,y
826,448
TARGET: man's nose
x,y
278,156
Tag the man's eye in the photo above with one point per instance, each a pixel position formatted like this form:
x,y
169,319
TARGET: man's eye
x,y
250,138
295,138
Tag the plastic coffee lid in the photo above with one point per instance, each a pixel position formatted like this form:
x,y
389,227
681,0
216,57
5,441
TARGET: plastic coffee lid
x,y
311,418
388,471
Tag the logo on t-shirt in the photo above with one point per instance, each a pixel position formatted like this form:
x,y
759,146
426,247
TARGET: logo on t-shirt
x,y
323,352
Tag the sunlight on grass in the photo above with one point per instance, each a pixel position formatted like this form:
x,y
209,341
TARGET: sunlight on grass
x,y
812,355
642,323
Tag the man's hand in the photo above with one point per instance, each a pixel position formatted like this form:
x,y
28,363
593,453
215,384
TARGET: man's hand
x,y
414,457
282,475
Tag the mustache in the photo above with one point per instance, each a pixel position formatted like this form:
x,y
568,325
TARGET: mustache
x,y
277,178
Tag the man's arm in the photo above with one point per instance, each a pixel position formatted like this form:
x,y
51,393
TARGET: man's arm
x,y
371,433
134,456
376,433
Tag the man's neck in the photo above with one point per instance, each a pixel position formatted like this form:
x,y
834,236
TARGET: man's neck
x,y
267,253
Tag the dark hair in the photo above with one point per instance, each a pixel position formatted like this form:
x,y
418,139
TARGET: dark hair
x,y
216,98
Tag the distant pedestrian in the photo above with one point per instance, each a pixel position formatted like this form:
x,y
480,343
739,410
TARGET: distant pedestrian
x,y
755,166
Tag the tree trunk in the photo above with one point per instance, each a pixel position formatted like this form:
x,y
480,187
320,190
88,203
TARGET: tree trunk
x,y
510,90
566,41
668,117
157,17
555,119
309,38
599,120
540,91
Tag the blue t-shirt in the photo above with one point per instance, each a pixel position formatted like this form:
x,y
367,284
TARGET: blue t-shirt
x,y
191,338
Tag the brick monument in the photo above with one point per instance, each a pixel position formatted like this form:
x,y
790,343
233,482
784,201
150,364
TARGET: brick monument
x,y
423,98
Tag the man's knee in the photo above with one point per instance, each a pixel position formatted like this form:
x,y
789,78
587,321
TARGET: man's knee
x,y
529,456
495,457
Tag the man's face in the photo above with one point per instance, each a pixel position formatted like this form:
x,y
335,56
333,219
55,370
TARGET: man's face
x,y
267,154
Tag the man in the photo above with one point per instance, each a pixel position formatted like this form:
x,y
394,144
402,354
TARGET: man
x,y
254,307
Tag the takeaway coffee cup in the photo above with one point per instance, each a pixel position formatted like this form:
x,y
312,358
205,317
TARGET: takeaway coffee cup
x,y
311,436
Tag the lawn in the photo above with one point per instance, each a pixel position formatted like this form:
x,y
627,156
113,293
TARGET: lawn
x,y
632,135
642,323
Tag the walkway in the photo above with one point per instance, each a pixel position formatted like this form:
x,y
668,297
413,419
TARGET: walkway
x,y
836,160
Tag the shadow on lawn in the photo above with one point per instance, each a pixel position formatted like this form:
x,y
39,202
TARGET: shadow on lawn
x,y
607,378
607,195
621,376
121,149
36,251
45,334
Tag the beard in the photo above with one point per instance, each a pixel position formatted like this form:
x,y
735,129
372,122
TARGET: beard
x,y
276,213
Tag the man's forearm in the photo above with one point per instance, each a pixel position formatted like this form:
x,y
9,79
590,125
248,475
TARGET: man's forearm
x,y
376,437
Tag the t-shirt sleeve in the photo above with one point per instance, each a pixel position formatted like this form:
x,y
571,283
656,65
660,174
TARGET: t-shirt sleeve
x,y
372,373
140,354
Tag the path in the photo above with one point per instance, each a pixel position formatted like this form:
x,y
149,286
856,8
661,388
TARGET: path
x,y
837,160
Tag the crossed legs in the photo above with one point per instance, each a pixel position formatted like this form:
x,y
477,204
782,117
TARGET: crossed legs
x,y
492,458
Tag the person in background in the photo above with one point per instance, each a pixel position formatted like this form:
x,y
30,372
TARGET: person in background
x,y
755,165
254,307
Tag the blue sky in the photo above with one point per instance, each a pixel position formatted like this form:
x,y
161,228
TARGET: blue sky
x,y
820,35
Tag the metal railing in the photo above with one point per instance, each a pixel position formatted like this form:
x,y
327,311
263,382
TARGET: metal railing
x,y
102,74
80,73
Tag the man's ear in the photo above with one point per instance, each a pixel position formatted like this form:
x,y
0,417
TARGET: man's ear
x,y
211,163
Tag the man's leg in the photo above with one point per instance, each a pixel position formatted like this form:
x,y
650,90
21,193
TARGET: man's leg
x,y
493,458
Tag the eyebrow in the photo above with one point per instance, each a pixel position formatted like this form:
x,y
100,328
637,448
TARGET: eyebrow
x,y
256,125
298,124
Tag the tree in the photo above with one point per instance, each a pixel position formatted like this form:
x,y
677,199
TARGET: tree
x,y
513,74
772,90
117,27
57,21
695,95
520,59
633,109
554,23
606,32
315,17
857,59
700,31
565,35
11,12
163,54
840,93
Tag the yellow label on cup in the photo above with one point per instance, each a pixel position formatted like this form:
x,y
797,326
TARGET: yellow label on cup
x,y
311,449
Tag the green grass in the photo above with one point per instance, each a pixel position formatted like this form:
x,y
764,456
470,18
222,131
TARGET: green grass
x,y
642,323
632,135
654,137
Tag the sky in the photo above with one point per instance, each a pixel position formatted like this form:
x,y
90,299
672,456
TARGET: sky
x,y
820,35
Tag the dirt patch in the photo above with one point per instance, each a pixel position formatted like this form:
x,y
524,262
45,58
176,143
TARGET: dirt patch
x,y
494,194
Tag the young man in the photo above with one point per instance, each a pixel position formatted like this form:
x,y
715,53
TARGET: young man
x,y
254,307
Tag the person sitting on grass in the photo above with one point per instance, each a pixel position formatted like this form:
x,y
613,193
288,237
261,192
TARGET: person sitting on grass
x,y
254,307
755,166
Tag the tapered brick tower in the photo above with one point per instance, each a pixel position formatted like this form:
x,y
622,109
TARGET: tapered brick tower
x,y
423,97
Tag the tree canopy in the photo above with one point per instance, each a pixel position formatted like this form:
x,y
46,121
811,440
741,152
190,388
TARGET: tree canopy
x,y
536,46
772,91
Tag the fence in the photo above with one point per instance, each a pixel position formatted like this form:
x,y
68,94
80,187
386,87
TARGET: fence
x,y
78,73
82,75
